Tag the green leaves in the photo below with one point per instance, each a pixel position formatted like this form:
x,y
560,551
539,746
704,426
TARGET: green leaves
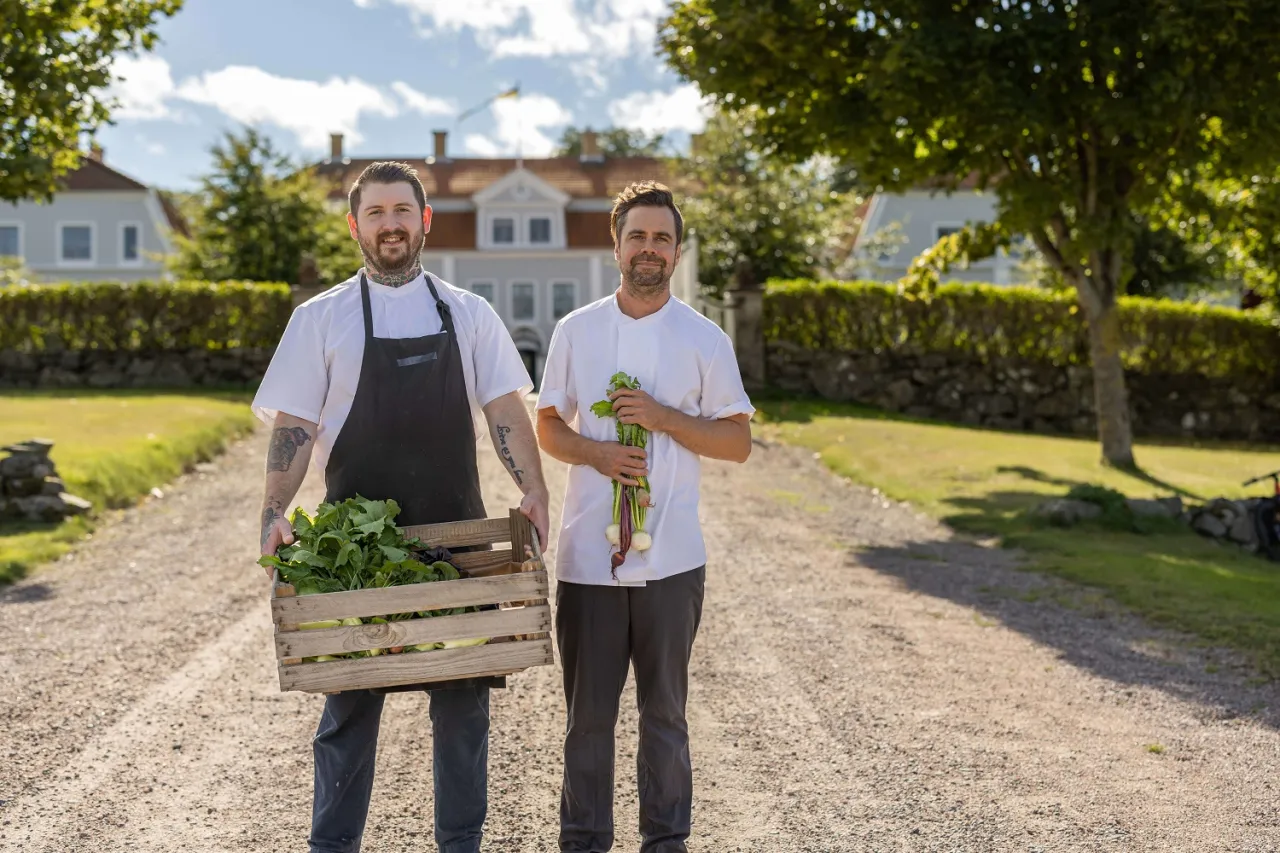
x,y
350,545
602,409
258,216
143,316
55,68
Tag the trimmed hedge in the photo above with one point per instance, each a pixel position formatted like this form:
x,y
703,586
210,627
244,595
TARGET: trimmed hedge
x,y
143,316
991,322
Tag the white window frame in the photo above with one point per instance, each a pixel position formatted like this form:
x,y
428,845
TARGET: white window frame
x,y
126,262
471,283
93,244
22,238
551,294
515,231
551,230
938,226
511,300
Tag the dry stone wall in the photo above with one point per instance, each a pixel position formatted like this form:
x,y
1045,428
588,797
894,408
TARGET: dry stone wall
x,y
30,488
114,369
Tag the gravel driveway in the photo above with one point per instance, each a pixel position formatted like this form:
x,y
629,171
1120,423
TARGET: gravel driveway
x,y
863,681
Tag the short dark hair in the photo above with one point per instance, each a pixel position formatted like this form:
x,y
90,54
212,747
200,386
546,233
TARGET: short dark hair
x,y
646,194
387,172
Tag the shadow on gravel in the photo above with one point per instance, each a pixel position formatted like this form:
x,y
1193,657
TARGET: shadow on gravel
x,y
1087,629
26,594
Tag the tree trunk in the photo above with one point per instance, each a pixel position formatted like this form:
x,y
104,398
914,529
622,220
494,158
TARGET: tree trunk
x,y
1110,393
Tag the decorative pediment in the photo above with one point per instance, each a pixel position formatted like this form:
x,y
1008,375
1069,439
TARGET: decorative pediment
x,y
520,187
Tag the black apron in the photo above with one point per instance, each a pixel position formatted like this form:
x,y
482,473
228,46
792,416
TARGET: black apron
x,y
409,436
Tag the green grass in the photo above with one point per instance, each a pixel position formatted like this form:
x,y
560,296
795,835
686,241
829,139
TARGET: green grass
x,y
984,482
111,447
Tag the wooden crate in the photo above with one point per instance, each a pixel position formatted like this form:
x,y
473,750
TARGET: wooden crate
x,y
518,631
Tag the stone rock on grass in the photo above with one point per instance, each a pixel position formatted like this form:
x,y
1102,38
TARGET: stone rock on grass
x,y
1243,532
1064,512
1161,508
1210,525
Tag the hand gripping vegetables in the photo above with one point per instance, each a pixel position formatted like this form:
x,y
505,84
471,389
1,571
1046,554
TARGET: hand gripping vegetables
x,y
355,544
630,503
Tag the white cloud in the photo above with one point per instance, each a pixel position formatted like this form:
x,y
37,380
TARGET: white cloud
x,y
421,103
310,109
543,28
683,108
152,147
520,125
142,84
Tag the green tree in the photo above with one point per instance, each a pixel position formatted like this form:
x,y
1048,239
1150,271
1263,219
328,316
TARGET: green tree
x,y
614,142
55,67
257,216
1075,113
756,215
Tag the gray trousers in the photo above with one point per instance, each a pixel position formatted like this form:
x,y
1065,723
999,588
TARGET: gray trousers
x,y
346,743
600,630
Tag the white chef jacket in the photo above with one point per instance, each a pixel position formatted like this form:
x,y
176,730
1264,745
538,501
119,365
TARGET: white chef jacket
x,y
684,361
316,367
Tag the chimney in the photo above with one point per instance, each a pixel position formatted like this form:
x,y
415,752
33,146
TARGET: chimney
x,y
95,152
335,147
590,147
442,139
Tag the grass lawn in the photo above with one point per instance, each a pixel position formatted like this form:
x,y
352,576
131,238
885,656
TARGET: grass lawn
x,y
110,447
982,481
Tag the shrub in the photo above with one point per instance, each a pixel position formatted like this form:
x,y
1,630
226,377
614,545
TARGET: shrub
x,y
990,322
143,316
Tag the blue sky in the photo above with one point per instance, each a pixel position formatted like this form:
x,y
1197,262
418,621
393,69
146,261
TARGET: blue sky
x,y
386,73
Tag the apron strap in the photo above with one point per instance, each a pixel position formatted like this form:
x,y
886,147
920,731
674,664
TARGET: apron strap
x,y
364,304
446,315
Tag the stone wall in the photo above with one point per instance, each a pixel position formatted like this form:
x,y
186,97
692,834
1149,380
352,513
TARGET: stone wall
x,y
1026,396
106,369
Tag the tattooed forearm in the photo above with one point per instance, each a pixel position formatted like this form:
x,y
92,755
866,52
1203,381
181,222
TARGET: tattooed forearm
x,y
517,473
269,515
285,442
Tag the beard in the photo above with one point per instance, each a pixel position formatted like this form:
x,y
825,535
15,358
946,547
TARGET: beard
x,y
646,282
392,260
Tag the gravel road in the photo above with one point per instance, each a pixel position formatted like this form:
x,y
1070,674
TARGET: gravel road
x,y
864,681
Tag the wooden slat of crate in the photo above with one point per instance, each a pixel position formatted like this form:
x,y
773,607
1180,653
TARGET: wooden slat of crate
x,y
415,667
409,632
478,564
453,534
438,595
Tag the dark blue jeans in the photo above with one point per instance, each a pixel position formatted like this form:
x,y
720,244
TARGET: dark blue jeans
x,y
346,744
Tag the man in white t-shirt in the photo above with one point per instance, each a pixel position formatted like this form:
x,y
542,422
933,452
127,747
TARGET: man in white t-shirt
x,y
383,383
646,613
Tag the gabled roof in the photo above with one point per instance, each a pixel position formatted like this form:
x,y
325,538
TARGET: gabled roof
x,y
522,183
96,175
463,178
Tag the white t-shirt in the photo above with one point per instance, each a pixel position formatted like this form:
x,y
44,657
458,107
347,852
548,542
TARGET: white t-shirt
x,y
684,361
316,367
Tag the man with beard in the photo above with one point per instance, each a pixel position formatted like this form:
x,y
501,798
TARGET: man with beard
x,y
692,400
382,382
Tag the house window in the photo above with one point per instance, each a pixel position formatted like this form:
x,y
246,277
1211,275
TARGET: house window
x,y
483,289
10,241
540,230
940,231
564,298
76,242
504,231
522,300
130,239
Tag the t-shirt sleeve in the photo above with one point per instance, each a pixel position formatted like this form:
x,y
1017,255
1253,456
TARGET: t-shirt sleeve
x,y
722,393
498,367
557,379
297,380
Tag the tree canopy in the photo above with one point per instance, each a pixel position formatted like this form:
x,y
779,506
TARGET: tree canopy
x,y
257,216
55,68
614,142
1077,115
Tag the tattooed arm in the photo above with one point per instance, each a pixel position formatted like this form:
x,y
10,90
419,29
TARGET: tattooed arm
x,y
287,461
517,449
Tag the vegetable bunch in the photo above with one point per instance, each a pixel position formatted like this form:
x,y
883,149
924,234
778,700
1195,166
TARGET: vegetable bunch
x,y
630,503
355,544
